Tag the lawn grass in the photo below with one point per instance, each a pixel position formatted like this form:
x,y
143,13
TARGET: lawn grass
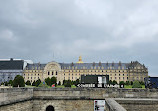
x,y
73,86
60,86
130,86
29,86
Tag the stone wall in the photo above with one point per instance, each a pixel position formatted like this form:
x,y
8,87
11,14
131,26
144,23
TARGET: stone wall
x,y
64,105
93,93
71,99
19,106
138,104
14,95
112,105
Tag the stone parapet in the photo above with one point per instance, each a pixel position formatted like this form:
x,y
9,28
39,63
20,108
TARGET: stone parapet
x,y
93,93
112,105
14,95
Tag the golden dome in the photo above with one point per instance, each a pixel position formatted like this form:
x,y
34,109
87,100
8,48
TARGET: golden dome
x,y
80,60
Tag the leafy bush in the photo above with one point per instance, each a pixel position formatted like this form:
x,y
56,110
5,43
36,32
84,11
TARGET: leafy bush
x,y
114,82
37,82
122,83
53,80
10,82
110,82
136,84
77,82
6,83
48,81
34,83
141,82
18,81
131,82
2,83
28,82
43,85
127,83
67,83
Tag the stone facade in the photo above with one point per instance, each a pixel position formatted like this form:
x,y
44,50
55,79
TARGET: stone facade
x,y
138,104
64,105
72,71
20,106
78,99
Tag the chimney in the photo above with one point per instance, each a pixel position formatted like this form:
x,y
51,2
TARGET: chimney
x,y
11,59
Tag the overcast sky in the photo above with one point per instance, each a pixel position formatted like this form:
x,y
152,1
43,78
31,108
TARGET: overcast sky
x,y
98,30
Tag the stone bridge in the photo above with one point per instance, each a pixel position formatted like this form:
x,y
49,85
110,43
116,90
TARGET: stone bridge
x,y
77,99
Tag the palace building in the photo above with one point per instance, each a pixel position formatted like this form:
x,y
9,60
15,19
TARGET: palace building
x,y
72,71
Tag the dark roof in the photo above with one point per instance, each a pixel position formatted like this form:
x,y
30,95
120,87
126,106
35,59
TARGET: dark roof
x,y
106,66
92,65
35,65
11,64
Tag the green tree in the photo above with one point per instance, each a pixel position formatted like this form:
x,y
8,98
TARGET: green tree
x,y
43,85
10,82
34,83
131,82
6,83
110,82
114,82
48,81
53,80
67,83
2,83
121,83
136,84
37,82
18,81
64,82
141,82
127,83
77,82
59,83
28,82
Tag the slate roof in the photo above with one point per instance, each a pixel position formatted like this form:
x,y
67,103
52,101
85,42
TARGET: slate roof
x,y
11,64
93,65
35,65
105,66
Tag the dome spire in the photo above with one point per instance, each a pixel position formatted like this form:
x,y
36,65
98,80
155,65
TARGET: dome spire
x,y
80,60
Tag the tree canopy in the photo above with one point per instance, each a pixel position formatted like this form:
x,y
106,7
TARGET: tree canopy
x,y
28,82
18,81
136,84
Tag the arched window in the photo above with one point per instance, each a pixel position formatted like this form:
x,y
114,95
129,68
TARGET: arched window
x,y
50,108
56,73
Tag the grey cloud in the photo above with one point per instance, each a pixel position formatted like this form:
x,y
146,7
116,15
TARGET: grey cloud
x,y
98,30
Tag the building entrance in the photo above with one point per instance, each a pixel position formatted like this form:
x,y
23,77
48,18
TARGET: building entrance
x,y
50,108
